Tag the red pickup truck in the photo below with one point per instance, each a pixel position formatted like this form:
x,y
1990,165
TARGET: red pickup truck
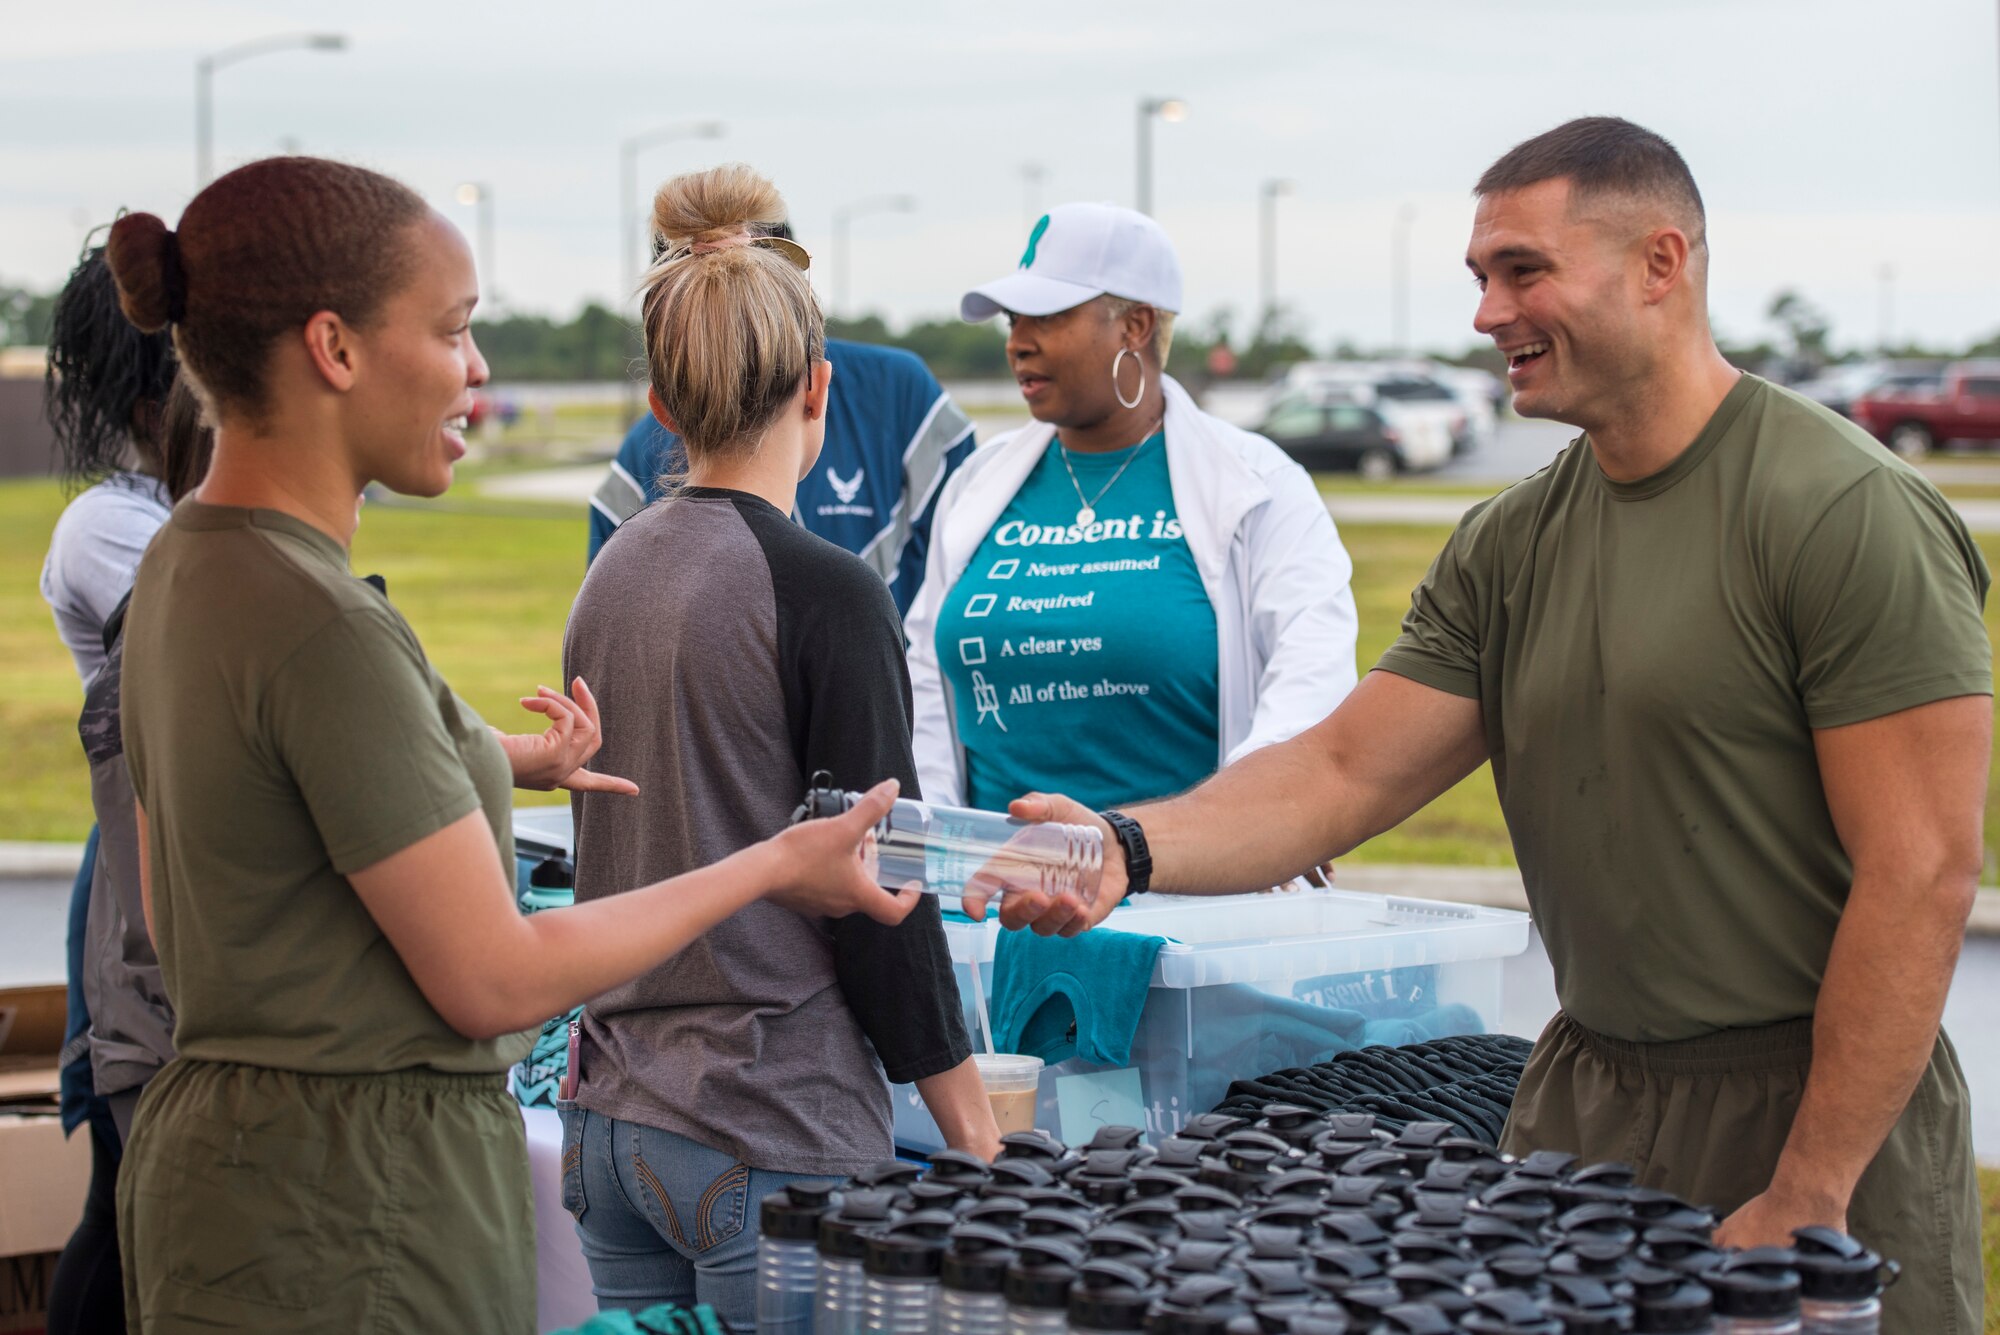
x,y
1912,423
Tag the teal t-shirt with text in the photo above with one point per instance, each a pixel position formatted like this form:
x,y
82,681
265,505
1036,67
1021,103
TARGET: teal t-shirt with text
x,y
1082,659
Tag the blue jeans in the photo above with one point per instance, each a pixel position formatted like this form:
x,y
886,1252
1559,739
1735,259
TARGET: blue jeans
x,y
663,1219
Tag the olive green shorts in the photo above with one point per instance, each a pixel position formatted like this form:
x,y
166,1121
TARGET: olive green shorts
x,y
253,1199
1706,1117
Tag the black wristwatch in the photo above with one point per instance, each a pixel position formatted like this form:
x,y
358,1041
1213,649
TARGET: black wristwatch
x,y
1138,857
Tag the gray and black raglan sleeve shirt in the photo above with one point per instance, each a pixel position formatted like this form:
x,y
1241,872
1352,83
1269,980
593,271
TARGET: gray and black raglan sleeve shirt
x,y
733,654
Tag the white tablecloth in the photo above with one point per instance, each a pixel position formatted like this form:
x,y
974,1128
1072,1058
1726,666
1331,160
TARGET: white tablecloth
x,y
562,1278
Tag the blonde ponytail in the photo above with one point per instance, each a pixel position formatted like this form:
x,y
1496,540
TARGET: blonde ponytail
x,y
730,331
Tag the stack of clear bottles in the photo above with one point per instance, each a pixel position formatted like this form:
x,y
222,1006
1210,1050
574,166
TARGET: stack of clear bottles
x,y
1840,1283
938,848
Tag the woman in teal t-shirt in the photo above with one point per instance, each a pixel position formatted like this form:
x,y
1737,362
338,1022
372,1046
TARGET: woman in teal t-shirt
x,y
1128,593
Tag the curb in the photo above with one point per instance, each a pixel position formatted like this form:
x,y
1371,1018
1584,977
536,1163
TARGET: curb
x,y
20,861
1501,888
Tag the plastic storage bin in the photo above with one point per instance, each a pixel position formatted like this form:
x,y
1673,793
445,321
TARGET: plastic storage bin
x,y
1249,984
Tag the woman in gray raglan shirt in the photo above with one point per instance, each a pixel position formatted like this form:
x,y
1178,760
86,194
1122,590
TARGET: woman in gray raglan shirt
x,y
736,654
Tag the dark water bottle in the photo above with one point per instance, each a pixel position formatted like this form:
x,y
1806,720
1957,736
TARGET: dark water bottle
x,y
1840,1283
1756,1293
938,848
843,1240
1038,1285
1109,1298
900,1268
788,1257
972,1278
1508,1312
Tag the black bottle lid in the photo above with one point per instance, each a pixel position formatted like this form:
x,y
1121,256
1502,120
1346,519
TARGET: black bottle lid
x,y
1276,1242
1198,1258
1353,1228
889,1173
1212,1126
1453,1175
1043,1270
1002,1212
1379,1163
1207,1226
1295,1212
1488,1233
1250,1138
1837,1267
1522,1199
1678,1249
1116,1138
1340,1266
1108,1162
842,1229
1199,1196
959,1166
1181,1154
1375,1196
1331,1150
1110,1295
1605,1174
1196,1305
1308,1183
1435,1212
1417,1319
1051,1198
1018,1175
1117,1242
1274,1279
904,1252
1548,1165
1154,1217
929,1195
1319,1319
1153,1182
1037,1146
1351,1125
1687,1307
1294,1125
1599,1219
976,1258
793,1215
1587,1306
1426,1248
1368,1300
1508,1312
1044,1222
1759,1282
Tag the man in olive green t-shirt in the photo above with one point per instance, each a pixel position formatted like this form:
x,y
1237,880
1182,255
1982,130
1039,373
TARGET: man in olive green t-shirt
x,y
1727,657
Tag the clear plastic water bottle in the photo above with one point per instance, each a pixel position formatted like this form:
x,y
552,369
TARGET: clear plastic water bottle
x,y
972,1278
788,1257
1756,1293
900,1275
1038,1285
1840,1283
938,848
843,1239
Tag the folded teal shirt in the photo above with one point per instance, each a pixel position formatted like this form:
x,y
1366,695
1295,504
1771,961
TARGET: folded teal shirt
x,y
1097,981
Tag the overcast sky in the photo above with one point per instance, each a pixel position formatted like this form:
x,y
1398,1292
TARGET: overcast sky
x,y
1832,139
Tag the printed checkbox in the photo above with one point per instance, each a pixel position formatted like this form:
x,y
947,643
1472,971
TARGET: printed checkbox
x,y
972,650
1005,569
981,604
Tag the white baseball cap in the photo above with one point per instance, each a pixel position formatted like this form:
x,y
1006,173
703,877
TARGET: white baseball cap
x,y
1080,251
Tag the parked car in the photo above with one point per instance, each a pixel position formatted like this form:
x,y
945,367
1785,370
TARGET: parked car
x,y
1839,387
1322,433
1965,406
1408,399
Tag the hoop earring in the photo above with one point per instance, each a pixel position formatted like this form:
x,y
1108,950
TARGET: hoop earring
x,y
1139,397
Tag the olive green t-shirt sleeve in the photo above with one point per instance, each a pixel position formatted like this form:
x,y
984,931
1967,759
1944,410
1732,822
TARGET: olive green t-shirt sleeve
x,y
1886,603
1439,645
354,716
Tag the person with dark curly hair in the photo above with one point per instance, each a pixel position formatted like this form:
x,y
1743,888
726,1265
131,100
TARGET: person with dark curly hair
x,y
105,398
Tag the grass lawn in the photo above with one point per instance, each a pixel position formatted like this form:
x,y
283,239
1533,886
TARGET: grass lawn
x,y
488,588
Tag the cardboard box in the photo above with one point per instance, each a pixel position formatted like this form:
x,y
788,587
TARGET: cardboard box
x,y
44,1176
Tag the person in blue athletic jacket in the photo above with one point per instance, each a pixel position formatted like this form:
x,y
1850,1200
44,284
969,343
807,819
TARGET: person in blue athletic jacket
x,y
892,437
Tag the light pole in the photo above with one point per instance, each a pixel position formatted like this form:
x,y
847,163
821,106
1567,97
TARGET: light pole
x,y
628,191
1267,250
480,193
1169,109
204,86
1400,274
846,214
1032,176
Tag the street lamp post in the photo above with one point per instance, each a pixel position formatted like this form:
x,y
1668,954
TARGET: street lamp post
x,y
480,193
628,190
1169,109
1032,176
1267,250
845,215
1400,274
204,86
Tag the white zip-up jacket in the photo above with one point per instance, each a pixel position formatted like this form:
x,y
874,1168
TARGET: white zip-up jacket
x,y
1269,556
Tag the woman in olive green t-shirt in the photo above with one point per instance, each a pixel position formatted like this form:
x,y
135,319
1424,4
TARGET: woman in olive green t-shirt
x,y
324,824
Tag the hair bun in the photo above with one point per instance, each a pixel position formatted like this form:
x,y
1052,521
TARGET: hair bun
x,y
145,259
709,205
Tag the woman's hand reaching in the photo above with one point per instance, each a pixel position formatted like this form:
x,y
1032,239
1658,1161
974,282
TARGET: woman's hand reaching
x,y
826,873
556,756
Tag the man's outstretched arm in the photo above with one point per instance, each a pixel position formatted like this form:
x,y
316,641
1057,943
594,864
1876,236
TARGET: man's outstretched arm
x,y
1907,792
1390,748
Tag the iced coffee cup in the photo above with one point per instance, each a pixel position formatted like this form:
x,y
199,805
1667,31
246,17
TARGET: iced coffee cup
x,y
1011,1081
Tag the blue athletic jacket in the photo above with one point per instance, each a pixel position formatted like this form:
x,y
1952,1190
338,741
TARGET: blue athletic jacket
x,y
892,437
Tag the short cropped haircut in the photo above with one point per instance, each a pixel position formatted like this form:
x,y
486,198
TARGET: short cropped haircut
x,y
1605,155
